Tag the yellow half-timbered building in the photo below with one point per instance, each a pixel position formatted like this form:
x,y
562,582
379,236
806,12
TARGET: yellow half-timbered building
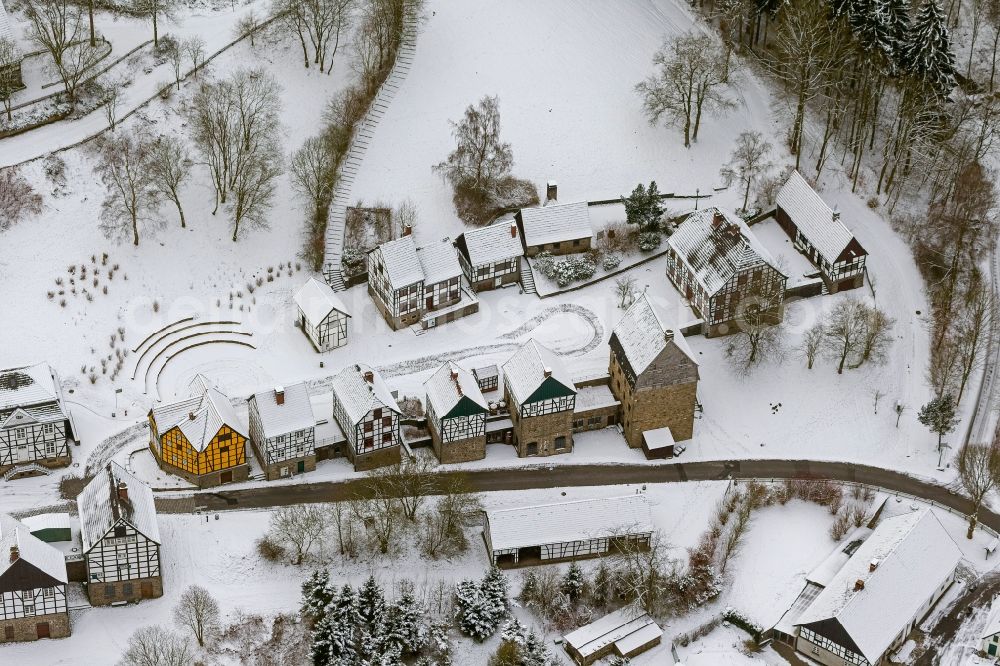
x,y
200,438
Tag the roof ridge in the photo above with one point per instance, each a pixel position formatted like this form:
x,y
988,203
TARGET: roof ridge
x,y
573,501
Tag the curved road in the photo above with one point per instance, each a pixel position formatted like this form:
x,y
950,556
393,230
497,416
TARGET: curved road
x,y
560,475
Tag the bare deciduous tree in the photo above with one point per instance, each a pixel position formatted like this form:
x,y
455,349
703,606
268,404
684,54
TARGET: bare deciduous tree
x,y
642,572
198,611
624,288
123,164
154,10
253,189
302,525
759,333
382,26
170,166
344,522
978,468
111,99
10,59
378,510
313,171
690,73
194,47
812,342
480,158
975,324
54,25
844,332
155,646
175,54
730,544
443,531
319,25
749,161
77,61
18,198
876,336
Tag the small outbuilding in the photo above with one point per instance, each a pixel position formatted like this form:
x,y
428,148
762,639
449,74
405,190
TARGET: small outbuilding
x,y
990,642
627,632
556,228
322,315
658,443
50,527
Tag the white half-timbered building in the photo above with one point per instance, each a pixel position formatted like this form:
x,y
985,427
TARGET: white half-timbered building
x,y
283,430
491,256
120,538
456,414
442,274
367,413
556,228
541,396
32,586
34,426
322,315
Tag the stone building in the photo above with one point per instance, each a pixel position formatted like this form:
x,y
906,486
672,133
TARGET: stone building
x,y
121,538
653,373
556,228
283,430
32,586
367,413
491,256
541,397
456,414
322,316
34,426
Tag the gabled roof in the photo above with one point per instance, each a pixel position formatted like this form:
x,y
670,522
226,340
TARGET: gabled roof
x,y
642,333
358,396
49,561
294,414
715,245
492,243
200,417
555,223
525,370
101,507
449,386
317,300
813,217
27,385
992,626
6,31
913,555
402,265
569,521
439,261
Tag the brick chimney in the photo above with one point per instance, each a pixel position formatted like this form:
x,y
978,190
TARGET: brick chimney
x,y
873,565
551,191
191,415
369,376
513,229
668,334
859,585
718,219
836,214
15,554
407,230
122,491
279,395
548,371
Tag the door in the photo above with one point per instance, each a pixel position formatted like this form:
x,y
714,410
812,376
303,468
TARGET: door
x,y
226,477
497,282
42,628
146,590
430,302
992,649
301,467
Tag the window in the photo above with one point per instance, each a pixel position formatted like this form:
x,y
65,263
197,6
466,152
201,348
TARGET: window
x,y
386,437
127,589
369,442
119,531
377,413
21,433
48,428
29,607
576,243
560,443
223,449
109,591
369,426
280,439
50,448
48,592
386,421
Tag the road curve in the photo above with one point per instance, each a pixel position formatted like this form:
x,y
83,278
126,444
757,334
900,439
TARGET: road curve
x,y
558,476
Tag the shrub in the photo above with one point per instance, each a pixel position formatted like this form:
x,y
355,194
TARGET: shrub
x,y
270,550
610,261
649,240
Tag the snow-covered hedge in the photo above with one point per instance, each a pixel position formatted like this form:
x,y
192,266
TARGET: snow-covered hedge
x,y
565,271
737,618
611,261
649,240
353,261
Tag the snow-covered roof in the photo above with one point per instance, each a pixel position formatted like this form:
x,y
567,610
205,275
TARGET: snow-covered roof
x,y
27,385
200,417
813,218
643,333
101,507
715,245
402,265
992,626
448,385
6,31
525,371
493,243
293,414
913,555
556,223
658,438
48,521
629,627
594,397
317,300
358,396
439,261
577,520
31,549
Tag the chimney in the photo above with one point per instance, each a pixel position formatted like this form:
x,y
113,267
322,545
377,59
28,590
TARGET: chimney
x,y
454,374
548,371
279,395
836,214
122,491
859,585
513,229
407,229
551,191
14,554
191,415
369,376
718,219
873,565
668,334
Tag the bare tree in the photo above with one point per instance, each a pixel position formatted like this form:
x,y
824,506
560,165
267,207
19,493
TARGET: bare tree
x,y
944,369
758,337
314,176
54,25
624,288
899,409
195,49
877,394
253,190
18,198
170,166
749,161
198,611
405,215
10,59
480,158
377,508
343,520
382,26
812,342
978,468
844,332
155,646
443,532
247,26
730,544
302,525
642,572
111,100
175,54
876,336
691,71
77,60
123,164
319,25
154,10
975,326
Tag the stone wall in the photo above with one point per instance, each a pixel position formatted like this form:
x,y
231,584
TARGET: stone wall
x,y
26,628
103,594
544,430
377,458
273,471
462,450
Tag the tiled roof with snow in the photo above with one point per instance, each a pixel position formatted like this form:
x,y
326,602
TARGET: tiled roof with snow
x,y
813,217
31,549
628,628
101,508
492,243
294,414
402,265
439,261
200,417
48,521
525,370
6,31
914,555
27,385
48,413
576,520
642,334
359,396
448,385
992,626
716,252
556,223
317,300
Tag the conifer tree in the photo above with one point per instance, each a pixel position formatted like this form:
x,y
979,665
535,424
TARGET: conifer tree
x,y
534,652
927,55
404,622
316,595
572,582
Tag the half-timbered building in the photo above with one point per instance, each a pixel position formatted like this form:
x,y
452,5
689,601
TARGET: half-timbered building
x,y
555,228
819,234
322,316
10,74
541,397
283,430
200,438
491,256
724,272
32,586
653,373
34,426
367,413
456,414
120,538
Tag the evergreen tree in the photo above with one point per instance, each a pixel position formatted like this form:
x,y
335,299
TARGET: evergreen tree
x,y
508,654
572,582
927,55
316,595
939,416
897,25
600,592
473,611
534,652
529,587
494,587
404,622
513,631
643,207
371,604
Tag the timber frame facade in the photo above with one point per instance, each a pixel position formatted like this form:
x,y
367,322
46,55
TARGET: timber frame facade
x,y
367,413
33,602
285,443
34,427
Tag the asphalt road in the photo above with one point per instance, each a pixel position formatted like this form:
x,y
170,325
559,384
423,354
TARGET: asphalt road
x,y
559,475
